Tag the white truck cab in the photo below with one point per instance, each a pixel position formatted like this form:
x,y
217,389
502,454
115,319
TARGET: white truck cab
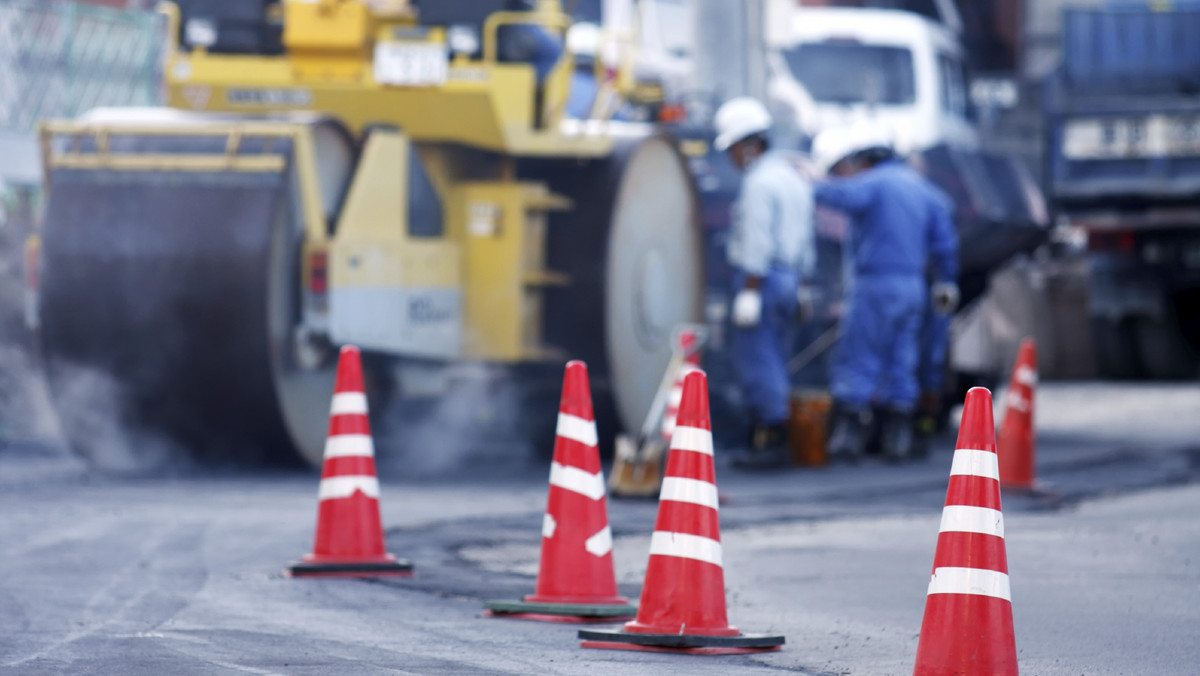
x,y
843,66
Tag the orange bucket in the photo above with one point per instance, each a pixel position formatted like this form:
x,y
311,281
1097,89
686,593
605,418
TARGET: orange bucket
x,y
807,426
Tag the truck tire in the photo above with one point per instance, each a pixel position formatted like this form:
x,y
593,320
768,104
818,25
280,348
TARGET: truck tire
x,y
1165,352
1116,349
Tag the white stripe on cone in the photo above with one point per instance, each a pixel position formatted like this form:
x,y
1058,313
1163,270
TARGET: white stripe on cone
x,y
973,462
1017,400
687,546
692,491
975,581
349,445
577,480
968,519
577,429
344,486
348,403
1026,376
692,439
600,543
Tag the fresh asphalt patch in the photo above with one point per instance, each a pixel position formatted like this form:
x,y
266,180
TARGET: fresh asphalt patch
x,y
454,559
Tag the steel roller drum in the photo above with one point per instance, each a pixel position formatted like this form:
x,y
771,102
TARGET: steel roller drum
x,y
633,247
166,305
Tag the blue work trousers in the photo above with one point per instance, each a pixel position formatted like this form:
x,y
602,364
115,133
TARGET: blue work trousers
x,y
876,358
760,351
935,340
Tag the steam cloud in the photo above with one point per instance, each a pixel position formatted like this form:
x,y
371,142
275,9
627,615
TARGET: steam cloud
x,y
483,422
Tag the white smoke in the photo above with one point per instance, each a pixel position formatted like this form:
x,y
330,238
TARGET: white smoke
x,y
93,416
467,416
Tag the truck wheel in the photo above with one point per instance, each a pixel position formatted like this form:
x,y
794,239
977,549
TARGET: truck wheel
x,y
1165,352
1116,349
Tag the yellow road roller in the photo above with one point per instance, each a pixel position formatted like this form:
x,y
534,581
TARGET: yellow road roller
x,y
396,175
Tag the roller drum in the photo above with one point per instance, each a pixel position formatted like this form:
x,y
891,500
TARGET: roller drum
x,y
156,305
633,247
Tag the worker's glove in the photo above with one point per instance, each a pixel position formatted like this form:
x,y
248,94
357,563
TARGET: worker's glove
x,y
944,297
805,303
747,308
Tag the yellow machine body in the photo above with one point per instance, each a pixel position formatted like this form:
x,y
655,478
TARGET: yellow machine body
x,y
332,65
404,198
474,291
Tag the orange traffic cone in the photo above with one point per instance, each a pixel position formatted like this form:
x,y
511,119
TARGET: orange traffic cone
x,y
349,541
1016,439
687,345
968,623
683,598
576,582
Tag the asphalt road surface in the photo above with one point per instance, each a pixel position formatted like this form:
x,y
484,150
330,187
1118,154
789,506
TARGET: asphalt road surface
x,y
180,572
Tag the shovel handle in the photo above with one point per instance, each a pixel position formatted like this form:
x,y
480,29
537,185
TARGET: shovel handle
x,y
659,403
660,397
814,349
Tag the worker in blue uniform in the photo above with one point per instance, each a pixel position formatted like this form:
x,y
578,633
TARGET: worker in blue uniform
x,y
583,40
934,346
772,250
899,224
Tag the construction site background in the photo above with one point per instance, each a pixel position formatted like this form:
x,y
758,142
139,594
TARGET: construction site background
x,y
59,59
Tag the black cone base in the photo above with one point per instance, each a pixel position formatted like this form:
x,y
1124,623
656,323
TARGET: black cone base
x,y
562,612
350,569
690,643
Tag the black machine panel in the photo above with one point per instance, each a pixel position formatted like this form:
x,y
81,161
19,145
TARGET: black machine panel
x,y
234,26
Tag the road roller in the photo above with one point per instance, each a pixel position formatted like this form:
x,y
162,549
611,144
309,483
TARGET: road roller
x,y
387,174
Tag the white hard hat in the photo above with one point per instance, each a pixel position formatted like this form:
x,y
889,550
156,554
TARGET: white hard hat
x,y
739,118
872,136
837,143
832,146
583,39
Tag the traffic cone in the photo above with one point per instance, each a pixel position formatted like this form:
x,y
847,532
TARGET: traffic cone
x,y
683,598
691,362
1016,441
575,582
349,540
968,624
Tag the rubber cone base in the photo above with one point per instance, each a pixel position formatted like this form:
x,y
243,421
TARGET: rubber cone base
x,y
610,645
561,612
386,567
685,643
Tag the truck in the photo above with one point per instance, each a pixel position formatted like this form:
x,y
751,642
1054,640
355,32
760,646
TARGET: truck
x,y
840,66
1123,170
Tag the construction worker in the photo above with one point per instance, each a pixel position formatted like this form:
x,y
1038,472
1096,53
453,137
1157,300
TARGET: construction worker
x,y
772,249
527,42
899,223
933,344
583,40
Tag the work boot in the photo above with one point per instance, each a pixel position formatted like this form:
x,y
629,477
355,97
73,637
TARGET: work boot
x,y
848,434
898,436
768,448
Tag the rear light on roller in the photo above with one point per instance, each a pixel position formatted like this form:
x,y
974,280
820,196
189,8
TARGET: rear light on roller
x,y
1112,242
33,255
318,272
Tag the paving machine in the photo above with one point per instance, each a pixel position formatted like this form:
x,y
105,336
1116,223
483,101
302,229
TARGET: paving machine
x,y
394,174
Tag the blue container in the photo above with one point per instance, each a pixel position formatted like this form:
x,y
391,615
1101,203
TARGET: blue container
x,y
1132,48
